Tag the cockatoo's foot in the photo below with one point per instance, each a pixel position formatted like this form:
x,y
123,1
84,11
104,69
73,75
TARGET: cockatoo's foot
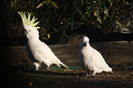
x,y
48,68
111,72
93,74
58,65
37,65
88,75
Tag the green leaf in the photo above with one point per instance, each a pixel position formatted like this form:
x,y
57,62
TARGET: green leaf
x,y
54,4
106,13
110,2
77,6
99,20
119,24
82,2
41,4
48,2
96,13
48,35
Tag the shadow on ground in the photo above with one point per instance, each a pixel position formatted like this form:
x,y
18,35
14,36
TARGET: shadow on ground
x,y
24,76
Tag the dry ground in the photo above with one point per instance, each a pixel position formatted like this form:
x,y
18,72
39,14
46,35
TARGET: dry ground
x,y
24,76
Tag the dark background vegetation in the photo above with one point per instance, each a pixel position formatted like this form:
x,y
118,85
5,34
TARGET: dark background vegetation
x,y
61,20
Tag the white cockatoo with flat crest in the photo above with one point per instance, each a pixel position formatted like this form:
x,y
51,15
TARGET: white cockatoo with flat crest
x,y
39,50
91,59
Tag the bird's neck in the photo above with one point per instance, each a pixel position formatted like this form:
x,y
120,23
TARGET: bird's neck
x,y
88,45
36,39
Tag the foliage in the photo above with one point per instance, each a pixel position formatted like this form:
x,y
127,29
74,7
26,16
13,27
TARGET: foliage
x,y
102,14
63,16
105,14
48,2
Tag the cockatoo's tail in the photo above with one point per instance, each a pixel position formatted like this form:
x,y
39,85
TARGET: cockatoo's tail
x,y
28,21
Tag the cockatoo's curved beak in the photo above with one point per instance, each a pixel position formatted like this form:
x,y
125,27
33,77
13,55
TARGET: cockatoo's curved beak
x,y
25,31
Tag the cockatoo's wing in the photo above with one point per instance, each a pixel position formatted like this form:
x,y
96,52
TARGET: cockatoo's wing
x,y
98,60
52,56
41,53
45,54
29,22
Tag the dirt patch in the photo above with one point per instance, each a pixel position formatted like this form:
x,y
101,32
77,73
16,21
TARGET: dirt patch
x,y
26,77
20,72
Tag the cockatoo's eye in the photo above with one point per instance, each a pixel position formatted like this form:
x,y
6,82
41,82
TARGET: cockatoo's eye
x,y
29,30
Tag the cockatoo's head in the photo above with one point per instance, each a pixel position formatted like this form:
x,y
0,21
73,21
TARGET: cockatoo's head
x,y
85,41
30,25
32,34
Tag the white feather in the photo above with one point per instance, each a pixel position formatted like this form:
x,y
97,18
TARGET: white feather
x,y
92,59
40,51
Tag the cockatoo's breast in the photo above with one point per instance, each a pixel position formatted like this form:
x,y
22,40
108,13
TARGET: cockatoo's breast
x,y
88,56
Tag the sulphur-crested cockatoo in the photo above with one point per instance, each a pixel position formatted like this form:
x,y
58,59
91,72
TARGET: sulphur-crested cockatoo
x,y
91,59
40,51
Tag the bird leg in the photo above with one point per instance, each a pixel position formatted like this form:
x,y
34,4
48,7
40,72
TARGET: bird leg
x,y
37,65
48,67
94,73
58,65
87,73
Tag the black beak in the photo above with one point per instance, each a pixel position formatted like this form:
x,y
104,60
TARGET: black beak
x,y
25,31
84,44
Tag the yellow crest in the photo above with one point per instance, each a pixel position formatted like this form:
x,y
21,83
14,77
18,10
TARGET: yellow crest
x,y
27,20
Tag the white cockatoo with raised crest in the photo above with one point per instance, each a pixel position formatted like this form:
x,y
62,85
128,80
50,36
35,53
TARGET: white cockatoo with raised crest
x,y
91,59
39,50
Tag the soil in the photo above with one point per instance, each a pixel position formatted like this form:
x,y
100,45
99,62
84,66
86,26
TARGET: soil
x,y
19,72
25,76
